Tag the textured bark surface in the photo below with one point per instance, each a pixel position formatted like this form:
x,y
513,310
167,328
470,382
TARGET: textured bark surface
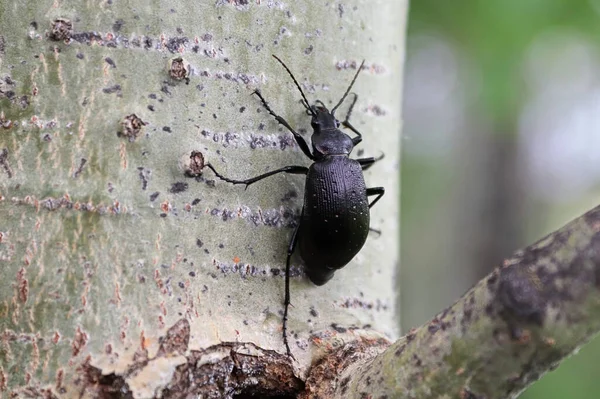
x,y
119,273
519,322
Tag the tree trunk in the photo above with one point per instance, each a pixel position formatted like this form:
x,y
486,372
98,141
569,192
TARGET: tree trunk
x,y
122,276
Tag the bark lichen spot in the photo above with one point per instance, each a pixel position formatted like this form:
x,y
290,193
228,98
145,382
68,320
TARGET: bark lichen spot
x,y
179,69
61,29
195,164
131,127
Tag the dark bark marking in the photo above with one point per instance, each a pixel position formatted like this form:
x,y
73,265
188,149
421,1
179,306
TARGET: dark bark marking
x,y
7,86
113,89
118,25
80,168
175,44
110,62
4,162
176,339
22,286
144,176
178,187
79,341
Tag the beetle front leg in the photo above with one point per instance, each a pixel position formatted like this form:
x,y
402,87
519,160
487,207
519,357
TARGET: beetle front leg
x,y
294,170
378,191
299,139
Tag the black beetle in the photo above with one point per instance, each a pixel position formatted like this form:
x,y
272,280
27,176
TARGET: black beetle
x,y
335,216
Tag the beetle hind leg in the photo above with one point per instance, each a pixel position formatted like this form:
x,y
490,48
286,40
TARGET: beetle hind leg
x,y
376,231
378,191
286,302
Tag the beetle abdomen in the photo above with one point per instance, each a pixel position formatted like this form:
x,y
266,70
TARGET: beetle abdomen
x,y
335,220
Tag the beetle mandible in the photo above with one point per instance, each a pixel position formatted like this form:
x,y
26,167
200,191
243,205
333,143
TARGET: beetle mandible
x,y
334,223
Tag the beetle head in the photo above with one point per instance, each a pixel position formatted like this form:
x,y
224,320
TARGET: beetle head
x,y
322,118
327,138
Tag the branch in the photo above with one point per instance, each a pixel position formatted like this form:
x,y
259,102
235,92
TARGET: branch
x,y
507,331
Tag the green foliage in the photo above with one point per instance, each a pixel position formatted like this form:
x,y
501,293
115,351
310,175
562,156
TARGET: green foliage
x,y
494,36
576,377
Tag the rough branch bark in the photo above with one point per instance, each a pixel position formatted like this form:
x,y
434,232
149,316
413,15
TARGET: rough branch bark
x,y
516,324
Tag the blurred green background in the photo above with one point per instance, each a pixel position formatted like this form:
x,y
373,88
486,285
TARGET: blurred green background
x,y
501,146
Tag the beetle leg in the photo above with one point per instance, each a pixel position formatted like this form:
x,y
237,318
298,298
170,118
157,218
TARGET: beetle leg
x,y
356,140
294,170
375,230
366,163
299,139
286,302
378,191
346,122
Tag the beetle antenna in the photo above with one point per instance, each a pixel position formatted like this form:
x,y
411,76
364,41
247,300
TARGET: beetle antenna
x,y
305,102
349,87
